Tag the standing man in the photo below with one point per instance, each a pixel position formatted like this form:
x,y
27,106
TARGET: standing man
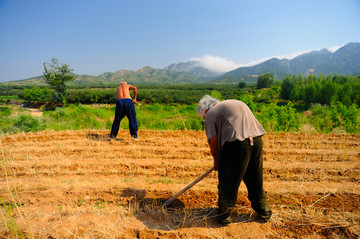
x,y
234,137
125,107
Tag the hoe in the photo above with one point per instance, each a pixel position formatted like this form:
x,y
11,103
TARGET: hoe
x,y
167,203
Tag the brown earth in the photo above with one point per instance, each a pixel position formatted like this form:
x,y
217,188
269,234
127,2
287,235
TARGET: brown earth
x,y
35,111
80,184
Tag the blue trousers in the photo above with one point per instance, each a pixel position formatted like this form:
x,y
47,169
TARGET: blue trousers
x,y
124,107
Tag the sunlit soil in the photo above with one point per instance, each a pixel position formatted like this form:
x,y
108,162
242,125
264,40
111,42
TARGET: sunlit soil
x,y
81,184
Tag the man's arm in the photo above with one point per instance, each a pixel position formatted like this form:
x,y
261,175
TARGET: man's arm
x,y
118,96
134,89
214,151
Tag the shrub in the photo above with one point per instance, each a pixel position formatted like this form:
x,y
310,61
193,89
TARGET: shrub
x,y
217,95
325,119
28,123
5,111
37,94
279,118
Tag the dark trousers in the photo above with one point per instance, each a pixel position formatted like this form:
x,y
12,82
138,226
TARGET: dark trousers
x,y
124,107
240,161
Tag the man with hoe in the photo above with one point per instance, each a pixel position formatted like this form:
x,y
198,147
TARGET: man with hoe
x,y
234,137
125,107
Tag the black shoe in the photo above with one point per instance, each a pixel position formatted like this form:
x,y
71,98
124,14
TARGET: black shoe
x,y
219,218
263,219
224,222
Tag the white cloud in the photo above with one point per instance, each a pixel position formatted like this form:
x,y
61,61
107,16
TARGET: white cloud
x,y
335,48
218,64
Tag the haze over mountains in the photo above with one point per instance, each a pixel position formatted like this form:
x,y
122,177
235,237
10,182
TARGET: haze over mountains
x,y
344,61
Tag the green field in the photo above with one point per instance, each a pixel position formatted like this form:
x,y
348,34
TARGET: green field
x,y
284,118
15,119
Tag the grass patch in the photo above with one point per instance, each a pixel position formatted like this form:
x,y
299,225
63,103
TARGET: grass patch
x,y
9,220
160,180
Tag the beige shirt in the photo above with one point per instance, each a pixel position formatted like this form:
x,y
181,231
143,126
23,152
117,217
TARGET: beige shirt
x,y
231,120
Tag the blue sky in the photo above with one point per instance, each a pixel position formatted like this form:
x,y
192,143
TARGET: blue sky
x,y
94,36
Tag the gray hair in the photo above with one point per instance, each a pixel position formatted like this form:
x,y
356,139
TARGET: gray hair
x,y
205,104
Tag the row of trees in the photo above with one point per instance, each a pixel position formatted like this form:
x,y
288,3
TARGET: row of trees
x,y
298,89
154,94
149,95
324,90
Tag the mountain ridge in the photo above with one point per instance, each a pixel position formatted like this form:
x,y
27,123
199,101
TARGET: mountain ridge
x,y
344,61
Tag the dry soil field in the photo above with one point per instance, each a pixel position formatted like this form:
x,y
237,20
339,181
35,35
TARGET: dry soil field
x,y
78,184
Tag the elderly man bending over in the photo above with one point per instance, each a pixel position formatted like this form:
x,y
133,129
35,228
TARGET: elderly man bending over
x,y
234,137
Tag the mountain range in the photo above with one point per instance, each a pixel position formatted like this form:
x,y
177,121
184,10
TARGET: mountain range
x,y
344,61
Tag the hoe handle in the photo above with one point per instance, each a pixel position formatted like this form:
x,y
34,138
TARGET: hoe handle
x,y
189,186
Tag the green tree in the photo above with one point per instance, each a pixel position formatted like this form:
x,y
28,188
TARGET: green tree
x,y
265,81
56,75
287,86
311,93
242,85
327,92
346,100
